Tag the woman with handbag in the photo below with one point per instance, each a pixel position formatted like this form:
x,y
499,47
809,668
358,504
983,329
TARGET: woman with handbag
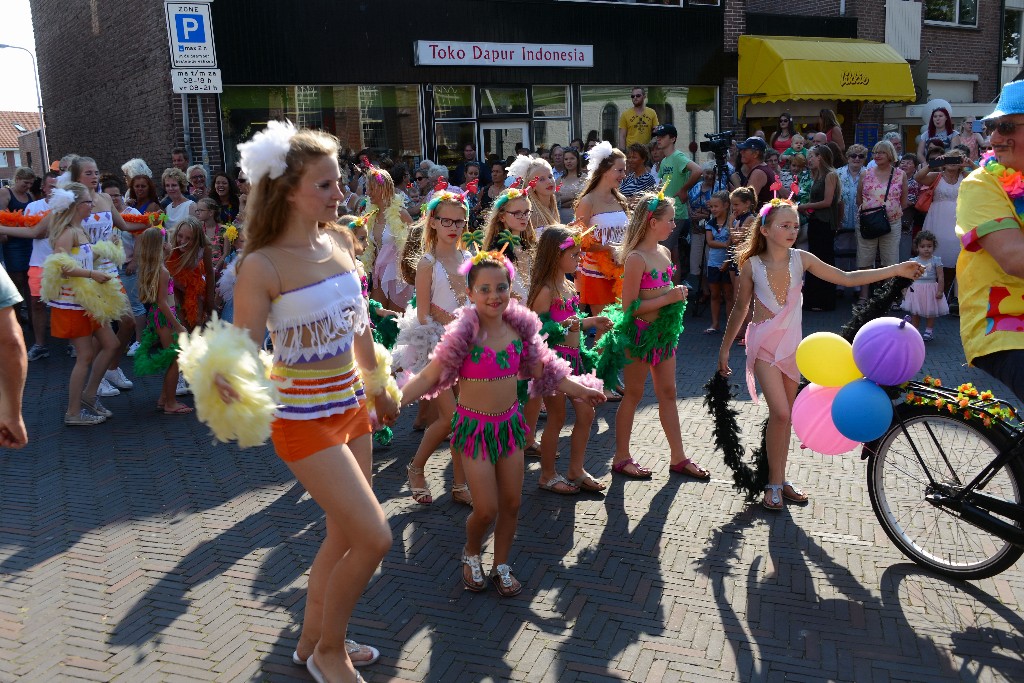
x,y
941,218
881,198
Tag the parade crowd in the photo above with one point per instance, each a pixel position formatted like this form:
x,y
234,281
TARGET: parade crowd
x,y
486,294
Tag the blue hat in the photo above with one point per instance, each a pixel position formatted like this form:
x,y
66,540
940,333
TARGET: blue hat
x,y
1011,100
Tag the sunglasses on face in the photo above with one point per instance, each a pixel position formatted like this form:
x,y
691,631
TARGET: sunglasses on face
x,y
1004,126
856,156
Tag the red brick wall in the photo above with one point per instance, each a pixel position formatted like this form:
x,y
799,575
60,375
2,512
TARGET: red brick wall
x,y
29,144
211,122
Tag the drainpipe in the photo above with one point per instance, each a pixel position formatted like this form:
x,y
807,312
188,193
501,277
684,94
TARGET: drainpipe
x,y
842,9
999,50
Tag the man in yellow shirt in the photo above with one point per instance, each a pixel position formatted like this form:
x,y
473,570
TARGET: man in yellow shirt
x,y
636,124
990,268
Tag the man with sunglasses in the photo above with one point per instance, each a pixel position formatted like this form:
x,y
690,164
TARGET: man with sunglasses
x,y
637,123
990,268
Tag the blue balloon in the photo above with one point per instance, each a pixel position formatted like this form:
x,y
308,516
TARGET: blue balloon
x,y
862,411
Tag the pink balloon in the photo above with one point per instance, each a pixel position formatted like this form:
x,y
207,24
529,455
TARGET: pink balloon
x,y
812,421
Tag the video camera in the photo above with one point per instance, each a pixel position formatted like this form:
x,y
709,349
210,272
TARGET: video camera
x,y
718,143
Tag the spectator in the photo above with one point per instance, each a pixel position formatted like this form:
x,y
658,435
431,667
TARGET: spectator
x,y
489,193
639,178
771,158
179,159
819,139
829,125
144,195
458,176
680,174
558,161
472,172
783,136
18,250
822,213
871,193
179,207
225,196
753,172
941,217
797,146
966,136
199,181
132,168
636,124
242,182
938,118
893,138
577,144
13,367
849,179
571,185
699,196
908,162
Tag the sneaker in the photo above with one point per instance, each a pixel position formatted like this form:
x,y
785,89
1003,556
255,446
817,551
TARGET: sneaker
x,y
132,349
117,378
71,351
97,408
182,389
38,351
84,418
107,389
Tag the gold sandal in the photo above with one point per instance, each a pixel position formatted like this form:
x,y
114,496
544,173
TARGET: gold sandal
x,y
420,495
460,494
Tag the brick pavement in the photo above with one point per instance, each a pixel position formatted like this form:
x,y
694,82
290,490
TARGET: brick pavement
x,y
141,551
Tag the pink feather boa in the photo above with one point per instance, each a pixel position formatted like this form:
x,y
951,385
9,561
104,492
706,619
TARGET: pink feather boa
x,y
461,335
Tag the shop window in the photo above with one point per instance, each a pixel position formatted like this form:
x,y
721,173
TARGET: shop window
x,y
550,101
1012,36
503,102
609,123
453,102
450,138
548,133
957,12
385,118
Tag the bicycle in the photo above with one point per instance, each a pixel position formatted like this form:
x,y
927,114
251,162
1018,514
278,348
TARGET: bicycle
x,y
947,484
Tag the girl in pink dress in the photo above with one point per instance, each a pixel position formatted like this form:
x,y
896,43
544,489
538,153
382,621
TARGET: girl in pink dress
x,y
771,276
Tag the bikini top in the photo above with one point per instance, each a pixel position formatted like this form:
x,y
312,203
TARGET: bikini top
x,y
656,279
442,293
317,321
763,291
483,364
561,311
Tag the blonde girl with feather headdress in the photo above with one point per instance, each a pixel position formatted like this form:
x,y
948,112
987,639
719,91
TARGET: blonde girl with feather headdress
x,y
81,307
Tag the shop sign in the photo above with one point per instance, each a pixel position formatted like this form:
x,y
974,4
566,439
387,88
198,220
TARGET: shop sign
x,y
454,53
196,81
190,34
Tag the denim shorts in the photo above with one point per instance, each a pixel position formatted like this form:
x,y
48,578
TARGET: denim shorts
x,y
131,288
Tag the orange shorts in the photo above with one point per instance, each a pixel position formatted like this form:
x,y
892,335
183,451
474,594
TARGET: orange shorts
x,y
71,324
595,291
298,439
35,280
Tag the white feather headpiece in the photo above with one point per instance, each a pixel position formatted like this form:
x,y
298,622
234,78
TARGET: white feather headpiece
x,y
602,151
60,199
64,179
266,153
519,167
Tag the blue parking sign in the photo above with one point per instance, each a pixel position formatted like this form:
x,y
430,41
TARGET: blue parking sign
x,y
190,28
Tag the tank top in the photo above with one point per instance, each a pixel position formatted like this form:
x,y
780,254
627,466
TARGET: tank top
x,y
442,292
15,204
765,195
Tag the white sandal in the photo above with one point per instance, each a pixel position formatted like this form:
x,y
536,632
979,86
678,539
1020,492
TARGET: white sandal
x,y
475,570
797,496
420,495
773,497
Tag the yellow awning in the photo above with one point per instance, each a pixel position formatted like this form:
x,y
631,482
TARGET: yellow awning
x,y
779,68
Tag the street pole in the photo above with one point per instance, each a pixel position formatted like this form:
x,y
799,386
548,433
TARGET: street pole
x,y
39,101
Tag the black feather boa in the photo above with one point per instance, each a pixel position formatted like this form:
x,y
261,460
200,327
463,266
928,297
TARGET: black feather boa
x,y
719,395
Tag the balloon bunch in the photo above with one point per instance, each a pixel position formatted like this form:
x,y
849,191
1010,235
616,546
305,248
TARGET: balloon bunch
x,y
846,404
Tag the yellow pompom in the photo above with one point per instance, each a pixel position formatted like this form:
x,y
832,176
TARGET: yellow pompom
x,y
109,251
379,380
103,302
228,351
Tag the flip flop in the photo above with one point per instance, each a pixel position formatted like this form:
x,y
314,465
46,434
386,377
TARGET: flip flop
x,y
180,410
680,468
712,330
641,472
589,484
614,398
568,488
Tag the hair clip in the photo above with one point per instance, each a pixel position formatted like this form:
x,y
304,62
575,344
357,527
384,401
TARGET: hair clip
x,y
361,221
474,238
508,238
653,203
473,186
441,184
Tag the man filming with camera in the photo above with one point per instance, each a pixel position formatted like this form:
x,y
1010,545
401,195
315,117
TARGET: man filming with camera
x,y
753,171
683,174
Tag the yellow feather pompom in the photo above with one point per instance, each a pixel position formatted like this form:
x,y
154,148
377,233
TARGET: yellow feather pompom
x,y
379,380
103,302
109,251
228,351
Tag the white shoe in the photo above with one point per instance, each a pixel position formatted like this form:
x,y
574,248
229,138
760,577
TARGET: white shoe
x,y
107,389
182,389
132,349
117,378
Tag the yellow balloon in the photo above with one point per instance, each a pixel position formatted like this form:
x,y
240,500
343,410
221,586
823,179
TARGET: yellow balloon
x,y
825,358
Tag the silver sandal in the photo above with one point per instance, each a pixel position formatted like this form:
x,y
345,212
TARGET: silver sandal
x,y
503,580
476,571
773,497
797,496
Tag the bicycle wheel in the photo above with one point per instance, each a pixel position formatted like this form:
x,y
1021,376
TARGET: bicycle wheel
x,y
937,537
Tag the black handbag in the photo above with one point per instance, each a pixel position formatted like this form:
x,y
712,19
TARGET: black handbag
x,y
874,223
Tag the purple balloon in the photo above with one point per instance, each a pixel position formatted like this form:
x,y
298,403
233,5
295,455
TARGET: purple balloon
x,y
888,351
812,421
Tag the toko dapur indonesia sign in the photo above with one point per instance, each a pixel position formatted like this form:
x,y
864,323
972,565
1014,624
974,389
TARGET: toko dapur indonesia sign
x,y
461,53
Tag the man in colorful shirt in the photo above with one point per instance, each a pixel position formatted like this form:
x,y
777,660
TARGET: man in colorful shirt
x,y
990,268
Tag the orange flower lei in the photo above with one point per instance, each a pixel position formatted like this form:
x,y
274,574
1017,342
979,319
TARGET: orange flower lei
x,y
974,404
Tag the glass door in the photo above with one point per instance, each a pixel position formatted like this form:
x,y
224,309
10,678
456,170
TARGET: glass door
x,y
500,138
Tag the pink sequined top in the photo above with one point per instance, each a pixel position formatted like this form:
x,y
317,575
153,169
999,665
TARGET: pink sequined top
x,y
561,311
656,279
485,364
874,191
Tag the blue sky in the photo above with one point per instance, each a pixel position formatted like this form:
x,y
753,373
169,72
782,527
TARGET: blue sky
x,y
19,90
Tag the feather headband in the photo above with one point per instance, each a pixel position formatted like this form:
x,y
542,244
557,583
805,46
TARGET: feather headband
x,y
63,179
653,203
576,240
495,257
510,194
60,200
447,196
266,154
520,167
602,151
774,203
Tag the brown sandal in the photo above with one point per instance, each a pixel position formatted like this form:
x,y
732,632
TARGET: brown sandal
x,y
794,495
507,585
420,495
460,494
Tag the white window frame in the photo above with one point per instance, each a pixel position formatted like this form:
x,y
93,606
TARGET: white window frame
x,y
1020,32
956,22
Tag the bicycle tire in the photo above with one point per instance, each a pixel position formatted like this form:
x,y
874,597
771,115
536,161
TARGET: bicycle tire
x,y
934,537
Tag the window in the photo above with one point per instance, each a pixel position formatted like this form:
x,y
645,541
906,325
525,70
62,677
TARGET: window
x,y
1011,36
28,156
17,158
957,12
3,159
453,102
610,123
503,102
550,101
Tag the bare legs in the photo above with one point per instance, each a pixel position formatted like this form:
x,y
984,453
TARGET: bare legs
x,y
578,443
434,435
108,347
497,494
358,537
779,393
